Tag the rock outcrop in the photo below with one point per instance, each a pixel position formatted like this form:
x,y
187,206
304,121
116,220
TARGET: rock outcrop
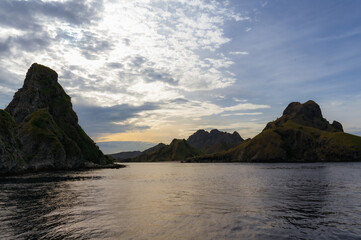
x,y
43,130
200,142
308,114
214,141
300,135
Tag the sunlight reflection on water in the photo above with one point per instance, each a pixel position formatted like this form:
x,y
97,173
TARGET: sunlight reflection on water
x,y
186,201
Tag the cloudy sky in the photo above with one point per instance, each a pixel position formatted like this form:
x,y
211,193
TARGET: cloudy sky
x,y
146,71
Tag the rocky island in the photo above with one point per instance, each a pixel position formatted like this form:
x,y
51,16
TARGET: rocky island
x,y
177,150
39,129
199,143
214,141
127,156
301,134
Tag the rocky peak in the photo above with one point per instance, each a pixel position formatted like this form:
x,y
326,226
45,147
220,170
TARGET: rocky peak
x,y
309,110
38,76
307,114
174,141
41,90
201,132
236,135
337,126
177,150
46,126
214,140
215,132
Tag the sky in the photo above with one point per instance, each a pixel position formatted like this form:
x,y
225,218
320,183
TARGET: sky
x,y
142,72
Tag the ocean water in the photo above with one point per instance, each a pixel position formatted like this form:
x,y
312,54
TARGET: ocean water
x,y
186,201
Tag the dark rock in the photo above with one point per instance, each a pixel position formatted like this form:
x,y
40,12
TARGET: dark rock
x,y
11,159
338,126
307,114
300,135
177,150
121,156
125,155
155,148
214,141
46,128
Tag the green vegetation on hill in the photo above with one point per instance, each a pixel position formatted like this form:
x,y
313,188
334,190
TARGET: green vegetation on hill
x,y
10,156
42,120
200,142
300,135
128,156
41,139
178,150
7,124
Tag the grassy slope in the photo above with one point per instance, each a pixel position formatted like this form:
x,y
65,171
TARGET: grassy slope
x,y
8,137
61,108
41,129
7,124
293,142
178,150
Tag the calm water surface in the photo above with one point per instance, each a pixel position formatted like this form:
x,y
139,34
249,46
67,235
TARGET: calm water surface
x,y
186,201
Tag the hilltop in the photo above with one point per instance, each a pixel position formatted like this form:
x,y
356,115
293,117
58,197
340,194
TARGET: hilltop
x,y
301,134
177,150
200,142
40,130
214,141
125,156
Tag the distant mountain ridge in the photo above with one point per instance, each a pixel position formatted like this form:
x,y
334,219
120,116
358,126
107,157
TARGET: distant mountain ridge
x,y
198,143
177,150
132,154
301,134
214,141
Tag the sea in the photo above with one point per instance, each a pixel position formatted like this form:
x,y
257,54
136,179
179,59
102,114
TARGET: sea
x,y
197,201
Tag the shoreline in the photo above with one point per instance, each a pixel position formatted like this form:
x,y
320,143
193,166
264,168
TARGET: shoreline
x,y
85,167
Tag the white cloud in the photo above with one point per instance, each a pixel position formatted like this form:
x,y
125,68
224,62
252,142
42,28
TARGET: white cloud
x,y
166,34
239,100
245,106
239,53
187,116
242,114
135,52
5,90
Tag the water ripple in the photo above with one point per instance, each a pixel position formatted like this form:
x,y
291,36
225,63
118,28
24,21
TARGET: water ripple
x,y
186,201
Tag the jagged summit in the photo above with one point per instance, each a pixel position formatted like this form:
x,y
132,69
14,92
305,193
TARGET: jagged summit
x,y
41,90
307,114
214,141
177,150
46,126
39,74
300,135
309,108
198,143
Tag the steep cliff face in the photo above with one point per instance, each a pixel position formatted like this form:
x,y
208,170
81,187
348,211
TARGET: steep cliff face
x,y
10,156
214,141
300,135
46,127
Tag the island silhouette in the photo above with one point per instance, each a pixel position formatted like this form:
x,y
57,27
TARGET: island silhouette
x,y
39,131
